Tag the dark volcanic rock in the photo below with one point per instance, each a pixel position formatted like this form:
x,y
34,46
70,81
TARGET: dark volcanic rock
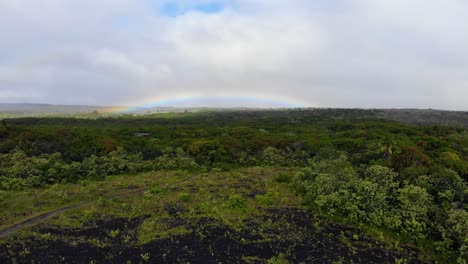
x,y
288,231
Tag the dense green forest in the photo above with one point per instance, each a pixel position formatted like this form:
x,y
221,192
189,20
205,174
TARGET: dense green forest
x,y
354,167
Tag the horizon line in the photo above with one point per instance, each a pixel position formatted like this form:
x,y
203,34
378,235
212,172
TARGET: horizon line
x,y
135,107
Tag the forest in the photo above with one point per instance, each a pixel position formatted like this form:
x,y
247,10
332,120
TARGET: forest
x,y
350,166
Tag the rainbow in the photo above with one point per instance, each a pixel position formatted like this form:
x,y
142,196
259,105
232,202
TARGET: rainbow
x,y
201,101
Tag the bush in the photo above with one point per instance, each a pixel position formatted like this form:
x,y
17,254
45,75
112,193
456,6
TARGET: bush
x,y
185,197
236,202
153,191
267,198
280,259
283,178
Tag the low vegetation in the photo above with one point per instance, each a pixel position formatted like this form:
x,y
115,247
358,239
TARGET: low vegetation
x,y
253,186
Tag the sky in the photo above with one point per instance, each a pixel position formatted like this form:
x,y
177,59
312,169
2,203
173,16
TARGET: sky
x,y
253,53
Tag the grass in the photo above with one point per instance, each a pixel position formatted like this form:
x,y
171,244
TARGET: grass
x,y
215,195
19,205
236,199
210,190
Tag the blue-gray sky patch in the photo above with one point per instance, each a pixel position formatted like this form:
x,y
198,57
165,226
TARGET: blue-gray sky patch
x,y
174,9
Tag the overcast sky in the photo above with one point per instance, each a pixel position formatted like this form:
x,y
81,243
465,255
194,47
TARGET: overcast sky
x,y
317,53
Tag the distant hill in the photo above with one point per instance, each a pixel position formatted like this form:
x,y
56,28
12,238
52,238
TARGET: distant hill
x,y
44,109
41,110
426,117
408,116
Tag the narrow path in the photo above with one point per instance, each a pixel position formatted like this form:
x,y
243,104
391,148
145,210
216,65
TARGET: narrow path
x,y
42,217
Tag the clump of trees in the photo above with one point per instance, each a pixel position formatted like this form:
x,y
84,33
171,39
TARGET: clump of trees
x,y
175,159
18,170
427,207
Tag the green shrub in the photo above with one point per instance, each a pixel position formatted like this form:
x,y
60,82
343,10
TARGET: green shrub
x,y
145,257
267,198
114,233
155,190
185,197
279,259
283,178
102,201
236,201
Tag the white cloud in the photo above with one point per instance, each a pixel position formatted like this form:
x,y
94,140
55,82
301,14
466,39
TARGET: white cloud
x,y
363,53
120,63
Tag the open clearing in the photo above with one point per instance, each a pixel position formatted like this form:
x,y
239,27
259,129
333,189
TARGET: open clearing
x,y
238,216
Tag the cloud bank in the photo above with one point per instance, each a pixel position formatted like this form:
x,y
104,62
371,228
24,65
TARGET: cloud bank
x,y
360,53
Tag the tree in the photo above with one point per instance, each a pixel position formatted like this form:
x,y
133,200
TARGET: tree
x,y
456,231
385,177
410,156
273,156
447,185
414,204
414,201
